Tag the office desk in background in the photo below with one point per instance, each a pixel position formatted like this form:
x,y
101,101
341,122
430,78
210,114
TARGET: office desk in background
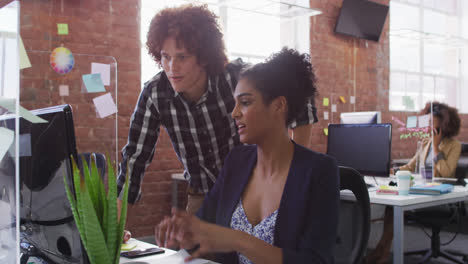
x,y
401,203
158,258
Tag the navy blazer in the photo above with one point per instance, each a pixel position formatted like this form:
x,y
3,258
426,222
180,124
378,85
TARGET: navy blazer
x,y
306,225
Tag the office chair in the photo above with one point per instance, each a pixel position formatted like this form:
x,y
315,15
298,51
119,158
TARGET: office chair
x,y
354,222
436,218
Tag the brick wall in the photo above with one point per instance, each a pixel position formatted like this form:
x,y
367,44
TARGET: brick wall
x,y
111,28
342,63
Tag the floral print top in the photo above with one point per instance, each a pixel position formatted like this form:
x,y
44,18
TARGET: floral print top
x,y
265,230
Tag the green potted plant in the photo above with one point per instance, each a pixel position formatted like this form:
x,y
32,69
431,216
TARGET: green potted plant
x,y
95,213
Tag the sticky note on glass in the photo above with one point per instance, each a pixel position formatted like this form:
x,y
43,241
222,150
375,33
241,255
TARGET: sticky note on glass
x,y
411,122
64,90
103,69
342,99
6,137
93,83
24,59
352,100
333,108
62,29
105,105
325,131
10,105
326,101
423,121
325,115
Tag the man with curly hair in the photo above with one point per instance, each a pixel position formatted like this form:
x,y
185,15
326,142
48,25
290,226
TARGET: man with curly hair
x,y
192,97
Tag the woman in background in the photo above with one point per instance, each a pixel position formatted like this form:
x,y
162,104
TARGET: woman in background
x,y
441,153
274,201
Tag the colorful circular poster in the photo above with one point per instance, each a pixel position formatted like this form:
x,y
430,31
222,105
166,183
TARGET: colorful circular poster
x,y
61,60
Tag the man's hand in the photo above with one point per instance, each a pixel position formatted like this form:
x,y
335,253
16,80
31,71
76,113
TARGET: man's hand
x,y
127,236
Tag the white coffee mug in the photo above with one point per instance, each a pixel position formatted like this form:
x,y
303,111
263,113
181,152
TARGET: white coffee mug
x,y
403,182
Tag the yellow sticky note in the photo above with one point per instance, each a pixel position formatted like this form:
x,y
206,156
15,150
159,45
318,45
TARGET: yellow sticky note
x,y
325,131
326,102
24,60
127,247
62,29
342,99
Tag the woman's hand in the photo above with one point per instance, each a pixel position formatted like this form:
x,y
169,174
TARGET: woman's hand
x,y
190,231
162,233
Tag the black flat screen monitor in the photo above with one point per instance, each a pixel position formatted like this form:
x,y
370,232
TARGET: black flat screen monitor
x,y
361,118
44,159
362,19
364,147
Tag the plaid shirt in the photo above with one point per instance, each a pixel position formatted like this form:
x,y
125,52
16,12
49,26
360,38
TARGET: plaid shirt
x,y
202,133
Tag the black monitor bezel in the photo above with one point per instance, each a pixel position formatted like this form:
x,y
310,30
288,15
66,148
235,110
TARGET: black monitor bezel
x,y
385,173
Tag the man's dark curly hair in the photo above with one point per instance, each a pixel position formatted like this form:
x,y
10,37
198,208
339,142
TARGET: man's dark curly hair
x,y
448,118
195,28
286,73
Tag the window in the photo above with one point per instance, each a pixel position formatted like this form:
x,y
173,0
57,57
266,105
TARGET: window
x,y
428,59
9,64
253,42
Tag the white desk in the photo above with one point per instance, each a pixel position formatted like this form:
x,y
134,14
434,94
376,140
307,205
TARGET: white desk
x,y
152,259
403,203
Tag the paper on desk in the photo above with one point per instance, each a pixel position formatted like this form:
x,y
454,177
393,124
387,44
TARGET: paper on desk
x,y
178,258
103,69
105,105
6,139
9,104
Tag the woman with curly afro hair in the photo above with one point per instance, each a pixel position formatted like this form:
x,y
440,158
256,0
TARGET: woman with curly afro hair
x,y
192,98
274,201
441,153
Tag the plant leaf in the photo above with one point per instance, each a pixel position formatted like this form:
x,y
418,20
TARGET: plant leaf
x,y
97,248
89,184
78,184
123,216
74,209
112,211
98,185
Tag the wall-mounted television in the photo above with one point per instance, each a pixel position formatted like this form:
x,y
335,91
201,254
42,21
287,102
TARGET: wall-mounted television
x,y
361,18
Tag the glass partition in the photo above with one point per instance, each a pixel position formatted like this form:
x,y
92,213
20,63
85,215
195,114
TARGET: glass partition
x,y
411,131
9,146
88,84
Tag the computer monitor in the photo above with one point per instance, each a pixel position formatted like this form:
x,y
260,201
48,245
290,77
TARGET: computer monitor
x,y
48,228
364,147
371,117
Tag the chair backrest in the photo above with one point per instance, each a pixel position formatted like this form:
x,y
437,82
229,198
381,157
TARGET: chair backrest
x,y
354,222
461,171
464,149
99,158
